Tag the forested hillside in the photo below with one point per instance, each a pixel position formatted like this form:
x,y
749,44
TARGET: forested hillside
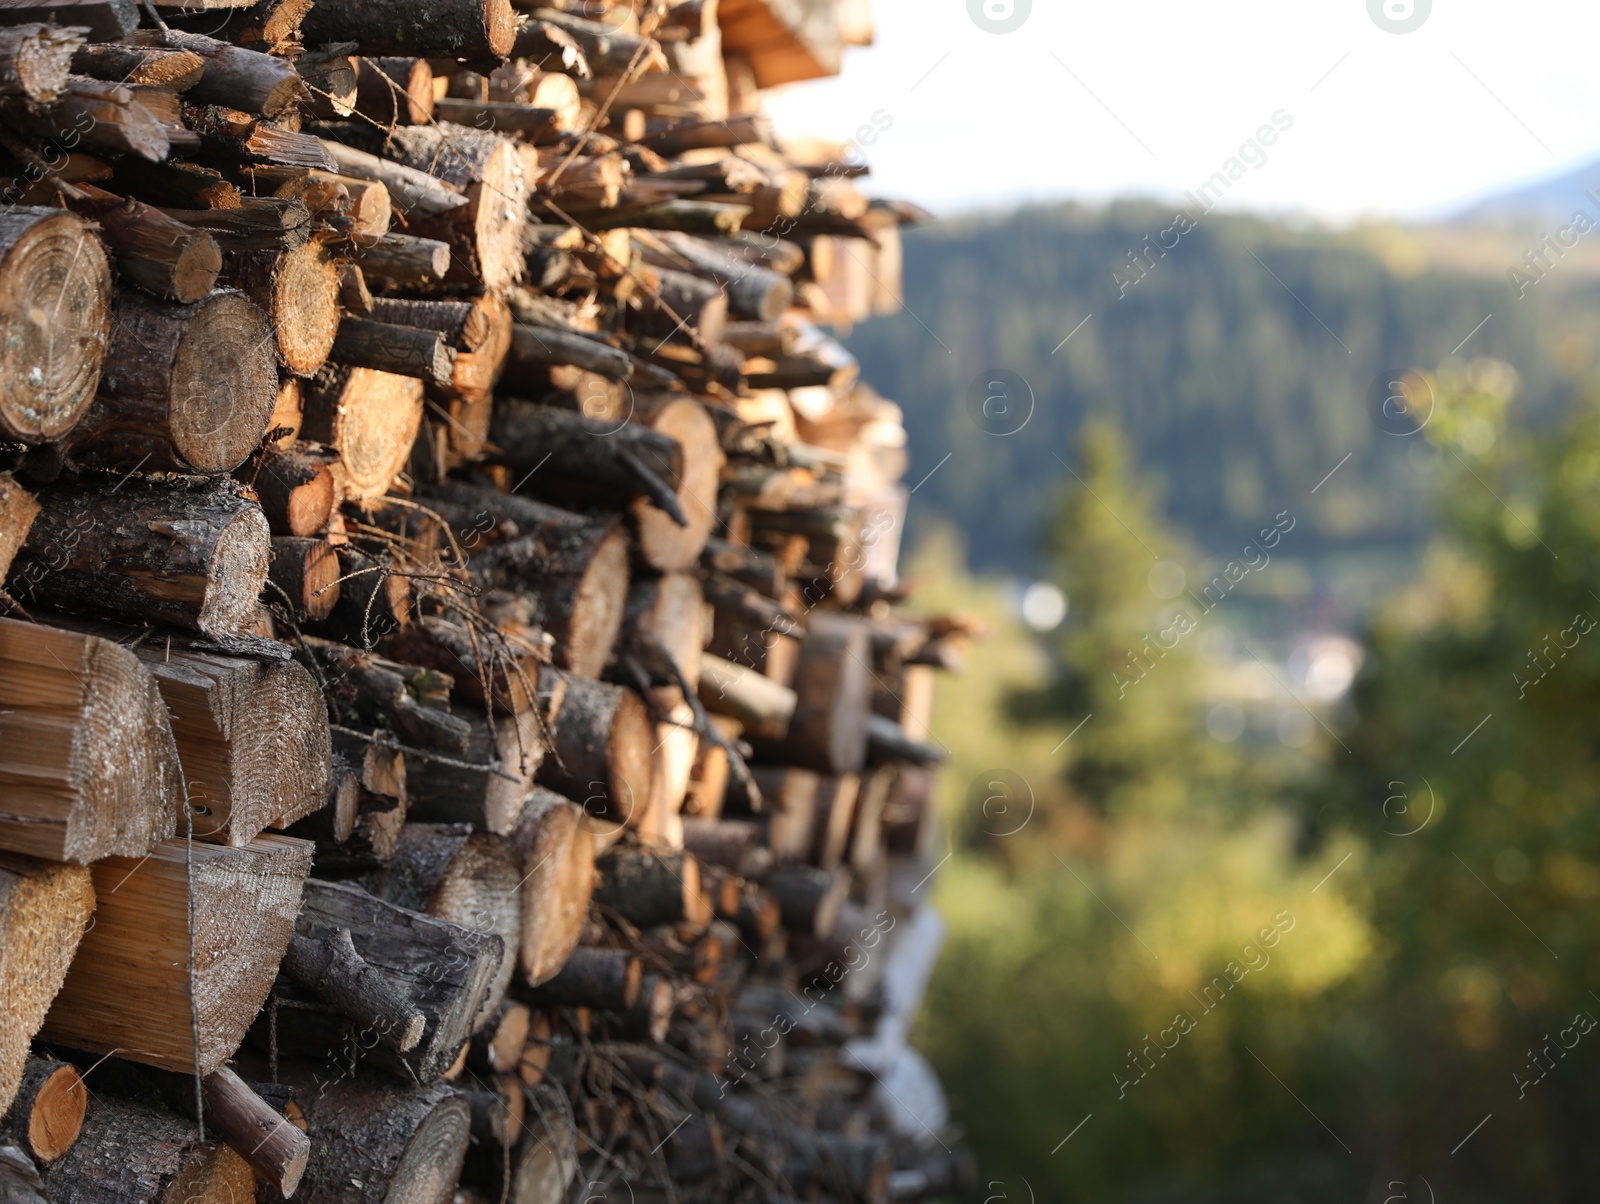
x,y
1241,363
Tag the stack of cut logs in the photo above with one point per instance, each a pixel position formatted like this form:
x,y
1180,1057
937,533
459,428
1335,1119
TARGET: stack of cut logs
x,y
457,738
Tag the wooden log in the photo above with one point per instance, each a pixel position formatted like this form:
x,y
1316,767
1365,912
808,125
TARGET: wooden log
x,y
402,350
103,116
186,388
443,969
159,254
90,767
46,1114
764,707
307,572
298,290
536,349
470,878
260,1135
486,668
192,555
478,30
537,125
252,738
150,66
536,1053
266,223
35,60
55,321
486,784
606,979
401,261
180,185
372,1143
330,78
833,689
17,512
332,970
44,912
631,461
809,898
296,488
416,194
239,78
132,1152
651,1014
485,235
733,844
395,91
374,600
545,1162
557,852
666,544
647,887
463,325
606,48
574,569
173,984
101,20
370,418
602,757
686,309
755,293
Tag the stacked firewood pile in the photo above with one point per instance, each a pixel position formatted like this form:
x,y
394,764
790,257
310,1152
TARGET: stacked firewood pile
x,y
458,741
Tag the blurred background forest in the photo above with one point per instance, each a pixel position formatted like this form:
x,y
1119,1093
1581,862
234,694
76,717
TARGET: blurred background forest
x,y
1275,858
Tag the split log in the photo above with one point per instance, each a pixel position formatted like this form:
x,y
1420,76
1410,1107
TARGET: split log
x,y
575,569
90,767
833,689
193,555
604,979
296,488
252,738
46,1114
186,388
602,757
443,969
171,979
557,852
647,887
131,1152
17,512
298,290
395,91
477,30
810,898
402,350
35,60
470,878
44,912
370,418
159,254
260,1135
632,461
307,573
55,320
238,78
486,783
376,1144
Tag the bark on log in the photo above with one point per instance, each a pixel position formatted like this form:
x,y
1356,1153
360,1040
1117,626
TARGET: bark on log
x,y
574,569
733,844
416,194
374,600
810,898
370,418
142,986
106,117
186,388
151,66
496,1048
159,254
192,555
260,1135
298,290
332,970
395,91
651,1014
104,20
44,912
131,1152
602,757
444,969
376,1144
238,78
477,30
89,767
55,321
252,738
557,851
401,261
504,752
402,350
833,688
472,879
46,1114
604,979
307,572
648,888
296,487
764,707
666,544
755,293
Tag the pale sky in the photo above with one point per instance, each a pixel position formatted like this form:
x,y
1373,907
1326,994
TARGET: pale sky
x,y
1101,99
